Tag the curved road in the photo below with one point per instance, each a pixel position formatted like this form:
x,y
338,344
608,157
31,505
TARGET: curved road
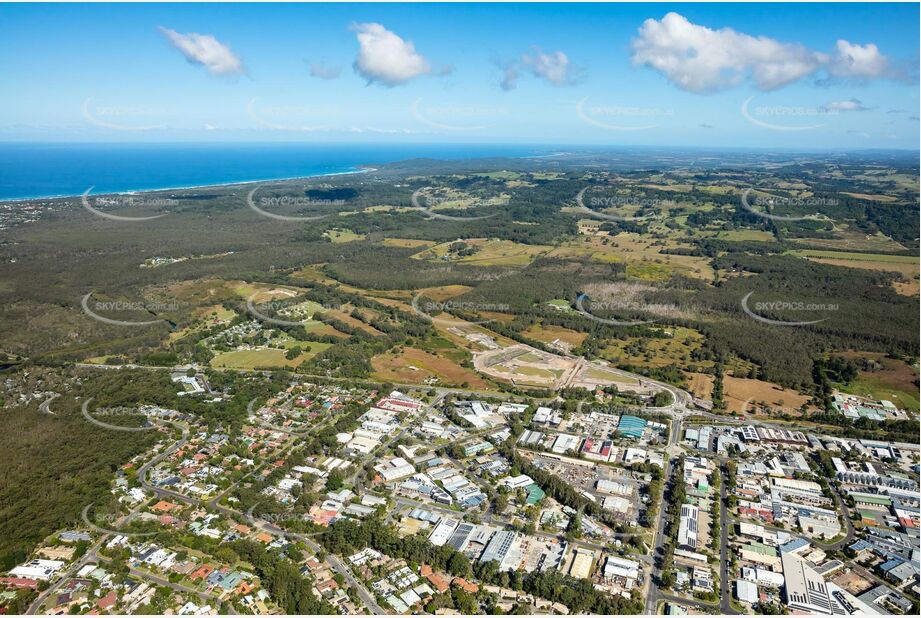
x,y
92,551
678,409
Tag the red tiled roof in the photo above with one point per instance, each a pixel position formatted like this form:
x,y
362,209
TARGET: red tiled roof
x,y
464,584
19,582
107,601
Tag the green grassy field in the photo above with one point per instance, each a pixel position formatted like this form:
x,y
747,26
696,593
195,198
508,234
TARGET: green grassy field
x,y
601,374
859,257
341,236
270,357
869,386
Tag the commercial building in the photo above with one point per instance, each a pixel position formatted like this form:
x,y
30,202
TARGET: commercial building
x,y
759,553
37,569
804,589
631,426
564,443
746,591
516,482
395,469
443,531
500,547
763,577
687,526
546,416
581,567
627,571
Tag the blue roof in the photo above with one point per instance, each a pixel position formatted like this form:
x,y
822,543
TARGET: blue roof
x,y
632,426
793,545
474,500
891,564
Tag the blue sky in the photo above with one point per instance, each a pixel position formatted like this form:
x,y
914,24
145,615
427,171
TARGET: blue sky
x,y
800,76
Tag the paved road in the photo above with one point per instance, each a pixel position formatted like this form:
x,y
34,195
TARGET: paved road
x,y
654,594
701,606
678,409
67,574
43,407
658,546
848,524
214,504
357,479
308,377
340,567
725,581
92,551
403,503
847,539
160,581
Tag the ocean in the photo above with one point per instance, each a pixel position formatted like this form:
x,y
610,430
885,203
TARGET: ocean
x,y
56,170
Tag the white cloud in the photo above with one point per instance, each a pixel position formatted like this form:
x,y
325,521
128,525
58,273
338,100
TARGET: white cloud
x,y
385,57
850,105
205,50
858,61
700,59
554,67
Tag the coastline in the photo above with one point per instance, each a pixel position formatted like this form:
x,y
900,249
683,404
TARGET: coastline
x,y
356,170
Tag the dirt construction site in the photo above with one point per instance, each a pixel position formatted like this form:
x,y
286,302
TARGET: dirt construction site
x,y
523,365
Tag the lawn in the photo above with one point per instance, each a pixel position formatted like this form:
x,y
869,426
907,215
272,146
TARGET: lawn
x,y
406,242
537,372
639,252
341,236
896,381
741,235
859,257
700,385
444,292
601,374
867,196
875,387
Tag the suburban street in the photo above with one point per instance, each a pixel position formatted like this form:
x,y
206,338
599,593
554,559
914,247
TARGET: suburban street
x,y
677,410
725,523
